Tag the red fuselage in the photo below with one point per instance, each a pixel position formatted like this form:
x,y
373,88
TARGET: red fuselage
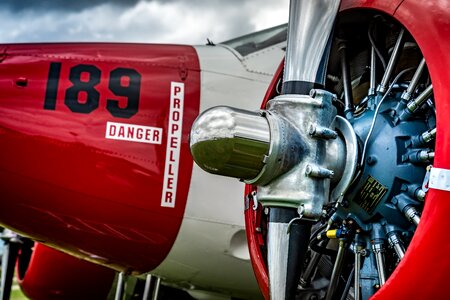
x,y
93,137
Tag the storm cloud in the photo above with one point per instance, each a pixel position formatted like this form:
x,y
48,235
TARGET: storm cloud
x,y
173,21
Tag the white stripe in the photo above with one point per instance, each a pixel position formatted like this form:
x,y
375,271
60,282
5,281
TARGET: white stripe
x,y
174,129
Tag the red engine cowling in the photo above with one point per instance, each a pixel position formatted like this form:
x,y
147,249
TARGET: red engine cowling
x,y
426,261
93,137
51,274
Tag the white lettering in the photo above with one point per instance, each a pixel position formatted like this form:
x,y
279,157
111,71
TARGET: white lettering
x,y
169,192
133,133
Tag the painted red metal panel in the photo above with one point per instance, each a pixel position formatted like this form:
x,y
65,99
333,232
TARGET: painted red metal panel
x,y
95,197
387,6
423,273
54,275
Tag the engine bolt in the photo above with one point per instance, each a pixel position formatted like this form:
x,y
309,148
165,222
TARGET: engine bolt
x,y
371,160
318,172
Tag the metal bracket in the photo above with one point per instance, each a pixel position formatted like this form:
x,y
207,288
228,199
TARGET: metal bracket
x,y
439,179
255,201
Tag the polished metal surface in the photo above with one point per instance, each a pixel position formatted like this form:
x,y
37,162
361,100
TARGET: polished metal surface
x,y
311,268
343,159
357,278
378,250
120,288
414,81
336,270
148,283
277,258
310,26
395,242
427,136
391,64
373,74
230,142
346,81
293,188
412,215
417,102
156,289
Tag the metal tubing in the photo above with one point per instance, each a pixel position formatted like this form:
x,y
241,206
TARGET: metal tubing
x,y
347,285
309,271
378,250
148,283
346,81
398,248
406,96
391,64
10,252
416,103
373,63
336,270
420,195
422,139
120,289
412,214
156,290
395,242
357,273
429,135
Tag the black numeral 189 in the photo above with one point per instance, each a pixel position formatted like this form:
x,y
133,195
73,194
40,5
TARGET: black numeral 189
x,y
123,82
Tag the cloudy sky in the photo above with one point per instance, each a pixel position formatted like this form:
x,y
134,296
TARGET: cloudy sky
x,y
153,21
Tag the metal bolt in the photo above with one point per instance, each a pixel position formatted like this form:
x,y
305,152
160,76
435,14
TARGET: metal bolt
x,y
318,172
371,160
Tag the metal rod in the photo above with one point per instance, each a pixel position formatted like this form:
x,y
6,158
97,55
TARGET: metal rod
x,y
120,289
429,135
406,96
391,64
373,63
311,267
148,283
346,81
412,214
156,290
347,285
357,272
416,103
10,252
396,243
421,139
378,250
336,270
